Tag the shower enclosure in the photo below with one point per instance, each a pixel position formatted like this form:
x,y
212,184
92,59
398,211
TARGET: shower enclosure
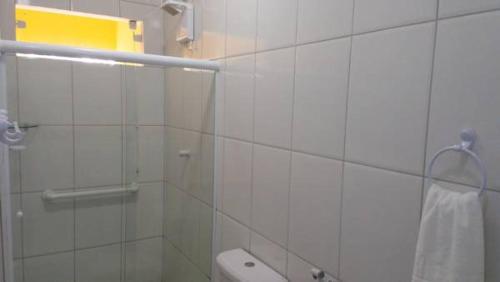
x,y
114,180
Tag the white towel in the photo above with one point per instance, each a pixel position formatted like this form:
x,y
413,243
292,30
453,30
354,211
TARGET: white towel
x,y
450,244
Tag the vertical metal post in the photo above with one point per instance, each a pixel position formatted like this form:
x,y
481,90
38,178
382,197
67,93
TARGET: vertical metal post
x,y
5,200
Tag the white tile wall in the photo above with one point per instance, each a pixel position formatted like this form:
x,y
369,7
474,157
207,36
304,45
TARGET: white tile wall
x,y
47,162
241,17
390,77
315,198
98,222
380,219
239,101
276,23
42,91
321,81
373,15
39,222
465,94
237,180
458,7
50,268
101,264
214,28
270,192
359,77
97,94
274,97
323,19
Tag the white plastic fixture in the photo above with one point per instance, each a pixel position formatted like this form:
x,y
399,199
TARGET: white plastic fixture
x,y
10,134
7,46
185,32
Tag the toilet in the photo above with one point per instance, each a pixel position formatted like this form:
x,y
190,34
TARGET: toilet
x,y
239,266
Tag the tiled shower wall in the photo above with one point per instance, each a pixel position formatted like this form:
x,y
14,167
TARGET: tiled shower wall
x,y
99,126
330,110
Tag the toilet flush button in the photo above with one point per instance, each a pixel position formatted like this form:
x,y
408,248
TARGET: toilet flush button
x,y
249,264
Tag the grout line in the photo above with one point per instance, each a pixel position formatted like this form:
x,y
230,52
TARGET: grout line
x,y
428,114
359,33
294,93
346,116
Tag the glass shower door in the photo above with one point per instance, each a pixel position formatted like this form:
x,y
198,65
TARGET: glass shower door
x,y
95,133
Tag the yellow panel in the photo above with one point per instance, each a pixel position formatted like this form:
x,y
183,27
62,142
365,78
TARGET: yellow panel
x,y
61,27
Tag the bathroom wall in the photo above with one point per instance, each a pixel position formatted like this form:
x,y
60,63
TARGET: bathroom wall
x,y
99,126
331,110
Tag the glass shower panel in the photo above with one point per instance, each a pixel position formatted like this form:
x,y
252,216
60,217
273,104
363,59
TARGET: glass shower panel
x,y
138,141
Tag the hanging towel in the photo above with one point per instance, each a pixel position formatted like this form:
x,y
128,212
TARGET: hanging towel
x,y
450,245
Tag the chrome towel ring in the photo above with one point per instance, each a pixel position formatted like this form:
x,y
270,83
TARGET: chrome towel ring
x,y
468,137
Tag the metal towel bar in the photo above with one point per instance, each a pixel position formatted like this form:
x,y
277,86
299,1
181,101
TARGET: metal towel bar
x,y
57,195
468,137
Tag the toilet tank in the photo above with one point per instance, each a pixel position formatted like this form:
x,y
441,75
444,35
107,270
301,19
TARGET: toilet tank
x,y
239,266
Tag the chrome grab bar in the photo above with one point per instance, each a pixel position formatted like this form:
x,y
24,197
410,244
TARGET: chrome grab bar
x,y
50,195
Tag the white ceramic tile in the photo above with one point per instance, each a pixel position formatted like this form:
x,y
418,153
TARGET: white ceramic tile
x,y
98,264
98,155
12,87
191,170
182,213
57,4
17,235
380,218
321,79
144,211
47,227
47,161
174,164
214,28
388,99
192,100
373,15
145,95
237,180
98,221
97,94
274,97
174,97
298,270
276,23
143,260
184,99
315,228
465,95
108,7
178,268
458,7
212,106
205,238
268,252
234,235
150,153
50,268
15,171
18,270
270,192
323,19
239,97
153,24
45,96
207,168
241,26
